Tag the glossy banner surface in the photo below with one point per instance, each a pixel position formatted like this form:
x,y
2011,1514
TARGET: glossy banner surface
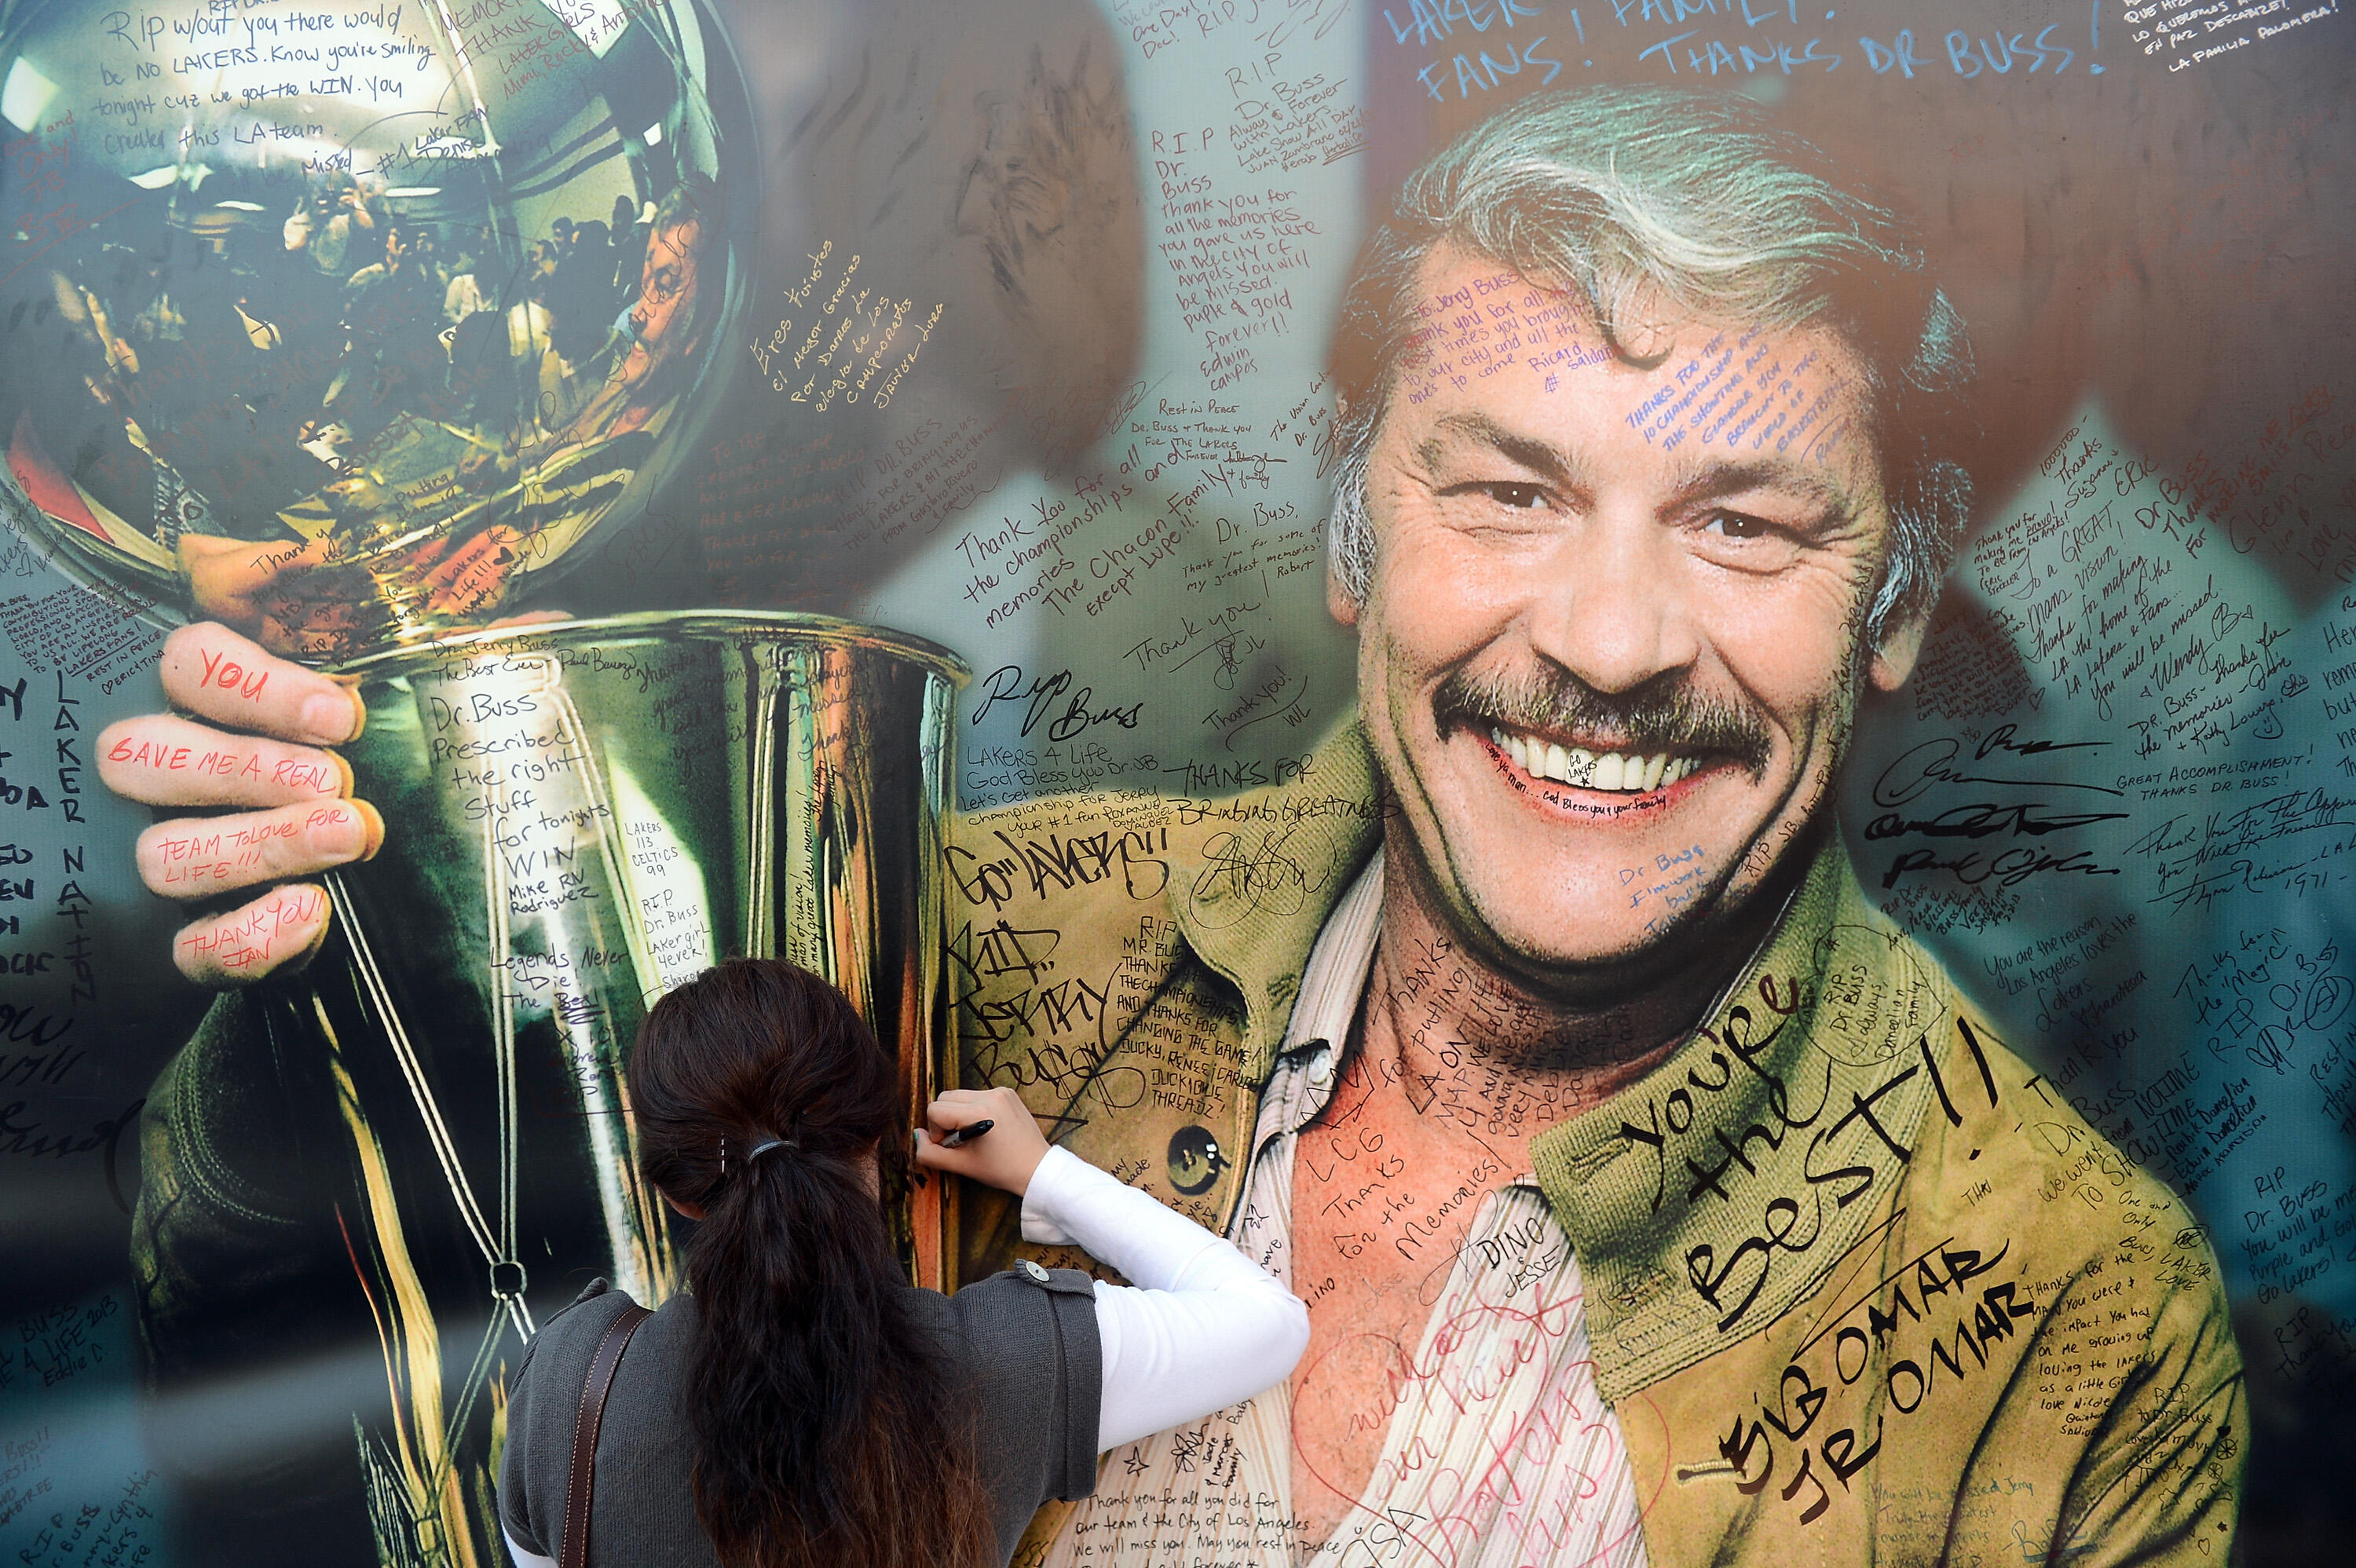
x,y
1660,692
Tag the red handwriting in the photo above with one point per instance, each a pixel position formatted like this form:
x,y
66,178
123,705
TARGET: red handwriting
x,y
254,938
225,673
296,772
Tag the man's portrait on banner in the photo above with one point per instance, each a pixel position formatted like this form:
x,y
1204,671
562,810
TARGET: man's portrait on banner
x,y
1656,1198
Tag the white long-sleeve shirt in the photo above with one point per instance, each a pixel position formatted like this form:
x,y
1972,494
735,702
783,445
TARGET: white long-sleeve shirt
x,y
1202,1328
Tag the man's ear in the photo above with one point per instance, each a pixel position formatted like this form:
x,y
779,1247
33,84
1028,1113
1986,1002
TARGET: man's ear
x,y
1900,645
1338,602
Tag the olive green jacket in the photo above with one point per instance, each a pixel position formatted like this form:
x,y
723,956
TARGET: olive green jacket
x,y
1861,1287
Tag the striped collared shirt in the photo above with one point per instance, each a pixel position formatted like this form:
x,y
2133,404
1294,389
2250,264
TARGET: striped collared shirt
x,y
1501,1452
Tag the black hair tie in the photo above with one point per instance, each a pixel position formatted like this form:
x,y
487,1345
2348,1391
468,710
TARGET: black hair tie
x,y
759,1150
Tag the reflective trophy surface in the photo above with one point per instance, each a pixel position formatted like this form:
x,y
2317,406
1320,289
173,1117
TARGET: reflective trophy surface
x,y
347,328
353,335
584,813
588,813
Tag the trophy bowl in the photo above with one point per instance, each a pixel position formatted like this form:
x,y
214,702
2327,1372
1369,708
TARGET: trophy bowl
x,y
349,328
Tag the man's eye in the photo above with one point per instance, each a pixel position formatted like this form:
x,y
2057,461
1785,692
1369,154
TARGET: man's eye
x,y
1735,526
1521,497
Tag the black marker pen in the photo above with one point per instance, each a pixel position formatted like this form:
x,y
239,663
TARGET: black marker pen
x,y
966,1134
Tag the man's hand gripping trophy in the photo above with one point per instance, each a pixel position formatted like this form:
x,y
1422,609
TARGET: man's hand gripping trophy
x,y
248,741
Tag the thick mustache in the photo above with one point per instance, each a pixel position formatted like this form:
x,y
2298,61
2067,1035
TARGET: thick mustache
x,y
1664,716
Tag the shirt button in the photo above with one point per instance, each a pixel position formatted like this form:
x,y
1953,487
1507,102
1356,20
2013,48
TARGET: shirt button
x,y
1034,1271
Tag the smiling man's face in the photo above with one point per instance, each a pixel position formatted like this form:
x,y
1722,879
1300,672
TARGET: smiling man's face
x,y
1608,660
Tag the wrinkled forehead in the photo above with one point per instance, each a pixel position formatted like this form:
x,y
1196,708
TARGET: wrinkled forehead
x,y
1467,318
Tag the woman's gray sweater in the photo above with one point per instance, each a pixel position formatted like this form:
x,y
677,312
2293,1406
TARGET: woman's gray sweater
x,y
1025,1345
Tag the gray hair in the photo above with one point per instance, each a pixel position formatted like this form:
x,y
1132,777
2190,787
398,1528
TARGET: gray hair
x,y
1629,196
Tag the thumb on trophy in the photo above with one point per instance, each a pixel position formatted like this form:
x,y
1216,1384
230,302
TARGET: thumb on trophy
x,y
232,578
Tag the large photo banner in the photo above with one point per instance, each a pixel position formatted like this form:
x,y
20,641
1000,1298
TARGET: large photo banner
x,y
1661,694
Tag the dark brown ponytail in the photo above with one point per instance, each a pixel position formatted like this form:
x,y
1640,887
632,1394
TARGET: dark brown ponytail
x,y
827,1432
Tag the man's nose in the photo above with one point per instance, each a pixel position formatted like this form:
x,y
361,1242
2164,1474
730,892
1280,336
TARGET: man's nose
x,y
1613,611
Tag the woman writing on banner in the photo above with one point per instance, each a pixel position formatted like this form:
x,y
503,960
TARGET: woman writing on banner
x,y
803,1405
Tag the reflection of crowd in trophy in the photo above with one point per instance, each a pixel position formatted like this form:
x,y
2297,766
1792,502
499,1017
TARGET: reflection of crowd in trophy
x,y
270,393
402,293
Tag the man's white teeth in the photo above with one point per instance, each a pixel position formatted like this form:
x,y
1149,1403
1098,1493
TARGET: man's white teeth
x,y
1626,773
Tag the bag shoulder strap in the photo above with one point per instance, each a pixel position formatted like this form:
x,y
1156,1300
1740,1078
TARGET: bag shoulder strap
x,y
573,1551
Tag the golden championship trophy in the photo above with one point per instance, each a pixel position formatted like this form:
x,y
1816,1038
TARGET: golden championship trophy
x,y
353,341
